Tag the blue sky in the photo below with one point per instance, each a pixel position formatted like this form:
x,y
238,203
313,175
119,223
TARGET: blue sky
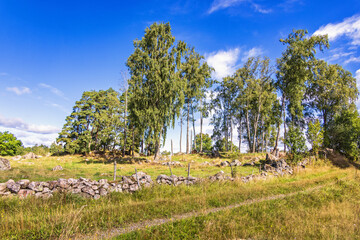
x,y
52,51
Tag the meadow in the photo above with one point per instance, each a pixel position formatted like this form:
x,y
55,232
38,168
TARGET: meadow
x,y
320,202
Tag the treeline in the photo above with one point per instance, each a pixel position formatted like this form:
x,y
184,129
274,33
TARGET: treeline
x,y
169,81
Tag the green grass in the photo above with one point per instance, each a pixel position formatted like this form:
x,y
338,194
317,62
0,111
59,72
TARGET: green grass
x,y
67,215
330,213
76,166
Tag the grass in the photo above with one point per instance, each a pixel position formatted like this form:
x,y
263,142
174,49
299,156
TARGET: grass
x,y
77,166
330,213
66,215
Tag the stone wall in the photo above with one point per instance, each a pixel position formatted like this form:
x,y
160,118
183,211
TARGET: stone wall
x,y
95,189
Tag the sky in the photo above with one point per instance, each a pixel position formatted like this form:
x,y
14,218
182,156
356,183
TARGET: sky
x,y
53,51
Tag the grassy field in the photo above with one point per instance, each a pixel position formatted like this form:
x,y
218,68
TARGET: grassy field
x,y
331,212
98,168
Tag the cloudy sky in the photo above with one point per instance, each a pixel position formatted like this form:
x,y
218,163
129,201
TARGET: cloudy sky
x,y
52,51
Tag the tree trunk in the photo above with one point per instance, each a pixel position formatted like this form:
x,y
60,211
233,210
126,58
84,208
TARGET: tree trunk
x,y
157,148
278,131
201,123
125,125
226,134
187,128
266,143
256,125
133,142
240,136
284,123
193,118
231,135
181,123
248,129
142,143
190,142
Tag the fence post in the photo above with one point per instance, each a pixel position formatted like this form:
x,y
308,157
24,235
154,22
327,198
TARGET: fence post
x,y
189,170
137,179
114,169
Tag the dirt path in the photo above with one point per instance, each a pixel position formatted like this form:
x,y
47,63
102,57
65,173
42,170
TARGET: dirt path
x,y
156,222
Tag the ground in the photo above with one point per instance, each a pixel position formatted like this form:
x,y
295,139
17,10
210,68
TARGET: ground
x,y
321,201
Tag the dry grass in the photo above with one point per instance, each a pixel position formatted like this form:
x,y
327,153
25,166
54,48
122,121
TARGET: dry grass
x,y
66,215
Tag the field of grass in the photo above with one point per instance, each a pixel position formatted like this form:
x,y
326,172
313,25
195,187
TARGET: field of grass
x,y
331,212
98,168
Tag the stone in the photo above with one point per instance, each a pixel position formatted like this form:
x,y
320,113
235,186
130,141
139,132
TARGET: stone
x,y
4,164
72,181
270,157
88,190
12,186
235,163
102,192
96,196
16,158
58,168
24,183
30,155
102,182
224,164
3,188
62,183
23,193
133,188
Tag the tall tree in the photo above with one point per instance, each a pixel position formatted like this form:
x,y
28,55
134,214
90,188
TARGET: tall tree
x,y
196,72
155,84
295,72
332,90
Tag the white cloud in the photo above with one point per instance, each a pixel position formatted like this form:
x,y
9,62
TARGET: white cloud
x,y
53,90
30,139
349,27
352,59
17,123
254,52
19,90
260,9
224,62
222,4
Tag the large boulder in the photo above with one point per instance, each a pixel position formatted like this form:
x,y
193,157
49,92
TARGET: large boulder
x,y
4,164
271,157
30,155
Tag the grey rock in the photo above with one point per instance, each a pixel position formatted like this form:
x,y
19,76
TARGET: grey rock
x,y
24,183
23,193
4,164
12,186
58,168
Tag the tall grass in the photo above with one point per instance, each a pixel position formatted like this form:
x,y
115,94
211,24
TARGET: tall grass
x,y
67,215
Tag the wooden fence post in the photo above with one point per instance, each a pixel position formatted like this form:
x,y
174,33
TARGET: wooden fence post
x,y
189,170
114,169
137,179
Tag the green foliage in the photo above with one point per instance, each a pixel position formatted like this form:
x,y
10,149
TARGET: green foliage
x,y
167,153
294,72
96,123
220,146
9,144
56,149
344,133
296,142
206,142
155,85
331,90
315,135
